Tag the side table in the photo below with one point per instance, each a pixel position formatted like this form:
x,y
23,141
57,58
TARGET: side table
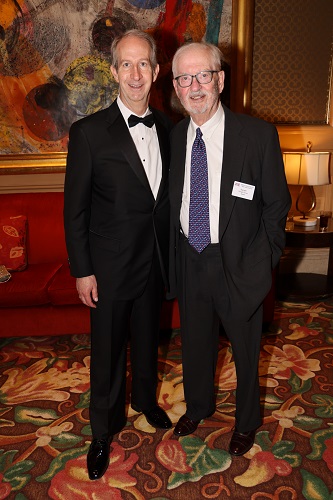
x,y
307,285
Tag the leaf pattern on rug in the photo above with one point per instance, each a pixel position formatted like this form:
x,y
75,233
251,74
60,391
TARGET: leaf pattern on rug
x,y
45,431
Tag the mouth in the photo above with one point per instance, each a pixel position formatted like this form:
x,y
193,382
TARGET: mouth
x,y
135,86
197,97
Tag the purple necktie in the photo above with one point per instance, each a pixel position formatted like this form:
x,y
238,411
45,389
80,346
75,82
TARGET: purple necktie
x,y
199,229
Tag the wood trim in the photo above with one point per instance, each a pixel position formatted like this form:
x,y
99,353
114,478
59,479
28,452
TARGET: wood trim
x,y
242,55
33,163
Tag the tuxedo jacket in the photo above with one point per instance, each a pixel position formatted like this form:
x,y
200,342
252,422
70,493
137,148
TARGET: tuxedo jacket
x,y
251,232
112,221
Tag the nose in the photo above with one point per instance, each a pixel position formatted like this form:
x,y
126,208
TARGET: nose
x,y
195,84
136,72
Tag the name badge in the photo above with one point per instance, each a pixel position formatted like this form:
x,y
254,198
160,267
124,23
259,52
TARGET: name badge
x,y
242,190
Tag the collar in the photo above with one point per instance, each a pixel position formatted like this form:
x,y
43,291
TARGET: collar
x,y
209,127
127,112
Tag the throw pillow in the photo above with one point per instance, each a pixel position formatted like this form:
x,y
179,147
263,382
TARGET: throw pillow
x,y
13,253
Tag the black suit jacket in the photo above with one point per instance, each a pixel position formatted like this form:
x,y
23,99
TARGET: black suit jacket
x,y
251,233
112,221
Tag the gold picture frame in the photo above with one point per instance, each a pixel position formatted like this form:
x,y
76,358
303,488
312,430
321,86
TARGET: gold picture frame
x,y
33,163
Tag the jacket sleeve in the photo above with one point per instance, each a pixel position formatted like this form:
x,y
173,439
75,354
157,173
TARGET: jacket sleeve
x,y
77,202
275,194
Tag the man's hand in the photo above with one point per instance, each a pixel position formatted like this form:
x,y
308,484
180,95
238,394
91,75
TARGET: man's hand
x,y
87,290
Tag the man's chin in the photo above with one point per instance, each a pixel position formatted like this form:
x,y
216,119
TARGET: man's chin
x,y
196,110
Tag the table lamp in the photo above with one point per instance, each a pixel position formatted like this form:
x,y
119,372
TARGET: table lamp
x,y
307,169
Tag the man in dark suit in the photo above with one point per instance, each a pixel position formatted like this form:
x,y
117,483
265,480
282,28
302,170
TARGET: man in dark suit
x,y
229,200
116,217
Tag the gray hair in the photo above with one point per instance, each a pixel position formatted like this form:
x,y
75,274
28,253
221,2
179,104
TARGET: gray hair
x,y
138,34
213,51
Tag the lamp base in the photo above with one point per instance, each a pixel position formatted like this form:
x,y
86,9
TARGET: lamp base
x,y
305,221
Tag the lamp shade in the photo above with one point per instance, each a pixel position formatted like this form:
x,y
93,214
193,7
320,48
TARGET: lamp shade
x,y
307,169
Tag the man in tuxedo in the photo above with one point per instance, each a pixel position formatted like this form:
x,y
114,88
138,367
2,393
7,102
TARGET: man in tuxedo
x,y
229,200
116,215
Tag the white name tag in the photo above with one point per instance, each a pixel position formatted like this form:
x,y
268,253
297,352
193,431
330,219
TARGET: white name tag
x,y
242,190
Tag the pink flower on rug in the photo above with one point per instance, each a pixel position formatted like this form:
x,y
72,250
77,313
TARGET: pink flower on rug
x,y
282,362
172,456
328,454
5,488
73,481
263,468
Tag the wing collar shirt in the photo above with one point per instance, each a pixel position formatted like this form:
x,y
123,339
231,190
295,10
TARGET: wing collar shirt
x,y
147,145
213,136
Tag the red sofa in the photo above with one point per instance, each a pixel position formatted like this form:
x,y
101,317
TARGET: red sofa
x,y
42,299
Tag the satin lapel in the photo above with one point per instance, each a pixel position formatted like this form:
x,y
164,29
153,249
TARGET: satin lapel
x,y
234,150
120,135
163,139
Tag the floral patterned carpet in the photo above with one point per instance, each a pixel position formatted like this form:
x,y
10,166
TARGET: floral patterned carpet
x,y
45,433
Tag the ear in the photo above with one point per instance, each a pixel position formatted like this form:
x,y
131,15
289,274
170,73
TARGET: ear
x,y
175,86
221,76
114,73
156,72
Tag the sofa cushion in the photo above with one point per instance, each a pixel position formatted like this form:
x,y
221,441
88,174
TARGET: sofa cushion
x,y
13,252
44,211
28,288
62,289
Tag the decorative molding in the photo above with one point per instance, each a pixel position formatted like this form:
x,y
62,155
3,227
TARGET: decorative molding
x,y
27,183
242,52
33,163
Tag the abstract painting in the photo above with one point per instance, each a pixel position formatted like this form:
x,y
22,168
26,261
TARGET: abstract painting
x,y
54,60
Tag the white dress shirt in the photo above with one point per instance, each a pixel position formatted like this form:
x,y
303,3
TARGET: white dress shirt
x,y
147,145
213,136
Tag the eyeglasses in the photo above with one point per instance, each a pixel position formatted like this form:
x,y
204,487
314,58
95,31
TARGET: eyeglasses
x,y
203,77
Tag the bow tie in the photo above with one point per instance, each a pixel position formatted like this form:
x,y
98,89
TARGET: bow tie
x,y
146,120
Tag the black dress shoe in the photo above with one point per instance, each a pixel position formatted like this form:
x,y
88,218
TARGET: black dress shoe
x,y
241,442
155,417
186,426
98,458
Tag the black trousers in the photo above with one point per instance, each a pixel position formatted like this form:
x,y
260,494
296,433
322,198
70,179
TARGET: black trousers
x,y
111,323
203,301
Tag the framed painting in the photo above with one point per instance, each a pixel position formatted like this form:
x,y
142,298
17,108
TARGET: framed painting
x,y
55,65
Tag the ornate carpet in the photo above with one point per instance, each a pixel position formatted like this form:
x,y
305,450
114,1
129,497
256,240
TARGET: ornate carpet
x,y
45,432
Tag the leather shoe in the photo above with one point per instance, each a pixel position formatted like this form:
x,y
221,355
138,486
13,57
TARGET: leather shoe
x,y
155,417
186,426
241,442
98,458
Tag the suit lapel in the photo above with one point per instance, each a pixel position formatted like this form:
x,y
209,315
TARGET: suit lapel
x,y
233,159
179,149
120,135
163,139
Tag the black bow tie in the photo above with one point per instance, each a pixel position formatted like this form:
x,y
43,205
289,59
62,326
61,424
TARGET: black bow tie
x,y
146,120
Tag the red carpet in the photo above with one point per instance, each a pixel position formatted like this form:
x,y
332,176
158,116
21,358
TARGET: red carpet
x,y
45,433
